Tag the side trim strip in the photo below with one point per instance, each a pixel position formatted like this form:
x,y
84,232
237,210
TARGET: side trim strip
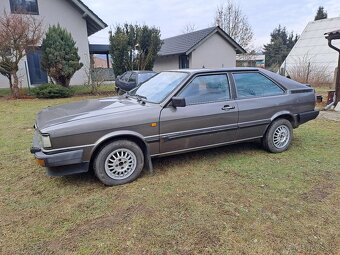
x,y
204,147
194,132
254,123
152,139
67,148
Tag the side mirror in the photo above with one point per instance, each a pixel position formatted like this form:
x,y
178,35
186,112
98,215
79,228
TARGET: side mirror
x,y
178,102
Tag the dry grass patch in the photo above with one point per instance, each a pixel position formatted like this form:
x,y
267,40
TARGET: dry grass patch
x,y
237,199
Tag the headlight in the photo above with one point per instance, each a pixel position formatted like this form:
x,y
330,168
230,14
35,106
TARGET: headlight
x,y
46,141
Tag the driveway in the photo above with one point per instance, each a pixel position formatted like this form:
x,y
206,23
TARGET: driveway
x,y
330,115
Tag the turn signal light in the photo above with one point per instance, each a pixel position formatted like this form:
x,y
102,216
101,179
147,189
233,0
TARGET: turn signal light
x,y
40,162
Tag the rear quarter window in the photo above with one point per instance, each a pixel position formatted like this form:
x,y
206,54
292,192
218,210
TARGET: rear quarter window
x,y
255,85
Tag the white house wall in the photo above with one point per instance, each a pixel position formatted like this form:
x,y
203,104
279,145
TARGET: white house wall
x,y
53,12
215,52
166,63
313,47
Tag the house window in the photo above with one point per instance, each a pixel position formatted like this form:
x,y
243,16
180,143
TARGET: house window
x,y
183,61
24,6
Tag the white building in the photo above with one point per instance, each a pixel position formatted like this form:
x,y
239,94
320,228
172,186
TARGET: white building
x,y
73,15
251,60
206,48
311,51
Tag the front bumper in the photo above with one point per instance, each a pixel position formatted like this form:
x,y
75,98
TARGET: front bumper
x,y
61,163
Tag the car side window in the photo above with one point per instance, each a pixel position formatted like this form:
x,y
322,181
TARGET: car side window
x,y
133,77
206,89
255,85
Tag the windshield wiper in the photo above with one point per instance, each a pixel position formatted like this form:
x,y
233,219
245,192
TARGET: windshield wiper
x,y
141,98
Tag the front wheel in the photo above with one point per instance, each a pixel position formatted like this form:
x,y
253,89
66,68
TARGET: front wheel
x,y
278,136
118,163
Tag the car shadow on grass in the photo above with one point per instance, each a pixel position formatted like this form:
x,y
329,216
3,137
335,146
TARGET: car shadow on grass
x,y
165,164
214,154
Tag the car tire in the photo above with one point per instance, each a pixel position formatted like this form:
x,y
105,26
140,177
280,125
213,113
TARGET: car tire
x,y
278,136
118,163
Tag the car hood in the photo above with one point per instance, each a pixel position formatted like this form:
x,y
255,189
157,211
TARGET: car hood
x,y
86,109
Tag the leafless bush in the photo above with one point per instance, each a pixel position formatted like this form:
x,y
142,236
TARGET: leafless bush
x,y
94,78
304,70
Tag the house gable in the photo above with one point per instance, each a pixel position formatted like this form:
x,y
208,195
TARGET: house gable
x,y
213,52
47,9
186,43
93,22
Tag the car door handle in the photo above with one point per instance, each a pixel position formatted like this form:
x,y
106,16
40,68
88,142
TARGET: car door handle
x,y
228,107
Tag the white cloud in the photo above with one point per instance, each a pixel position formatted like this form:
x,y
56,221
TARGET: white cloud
x,y
172,15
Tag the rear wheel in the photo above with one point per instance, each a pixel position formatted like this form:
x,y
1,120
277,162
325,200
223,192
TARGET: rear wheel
x,y
118,163
278,136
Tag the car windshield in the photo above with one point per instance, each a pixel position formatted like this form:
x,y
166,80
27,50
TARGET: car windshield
x,y
159,87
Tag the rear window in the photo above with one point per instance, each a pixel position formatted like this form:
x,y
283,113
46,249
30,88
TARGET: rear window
x,y
255,85
126,76
142,77
133,77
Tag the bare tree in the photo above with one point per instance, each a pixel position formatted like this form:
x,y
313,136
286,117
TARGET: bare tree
x,y
230,18
188,28
18,34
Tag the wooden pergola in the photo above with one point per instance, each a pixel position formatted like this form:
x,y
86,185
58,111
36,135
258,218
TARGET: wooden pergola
x,y
330,36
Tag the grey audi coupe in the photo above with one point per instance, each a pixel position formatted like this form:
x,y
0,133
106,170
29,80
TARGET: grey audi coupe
x,y
173,112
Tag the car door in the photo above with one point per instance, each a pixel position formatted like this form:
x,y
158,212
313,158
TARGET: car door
x,y
209,117
258,99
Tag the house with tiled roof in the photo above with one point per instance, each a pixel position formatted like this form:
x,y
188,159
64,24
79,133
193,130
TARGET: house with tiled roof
x,y
206,48
73,15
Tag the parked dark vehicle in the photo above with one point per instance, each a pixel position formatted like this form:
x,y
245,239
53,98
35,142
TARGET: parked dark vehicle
x,y
173,112
131,79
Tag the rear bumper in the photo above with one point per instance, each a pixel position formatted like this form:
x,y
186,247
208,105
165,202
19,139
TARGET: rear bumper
x,y
62,163
307,116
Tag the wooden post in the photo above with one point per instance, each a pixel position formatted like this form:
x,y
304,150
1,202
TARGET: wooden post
x,y
107,61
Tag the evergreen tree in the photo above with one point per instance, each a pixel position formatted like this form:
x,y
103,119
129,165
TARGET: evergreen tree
x,y
320,14
60,57
279,47
134,47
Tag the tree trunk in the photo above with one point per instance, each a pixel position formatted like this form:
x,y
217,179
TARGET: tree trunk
x,y
67,82
15,85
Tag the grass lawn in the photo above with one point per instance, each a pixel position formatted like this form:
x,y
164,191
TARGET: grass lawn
x,y
231,200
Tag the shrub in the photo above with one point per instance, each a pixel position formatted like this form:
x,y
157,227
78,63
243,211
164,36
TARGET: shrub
x,y
60,55
52,91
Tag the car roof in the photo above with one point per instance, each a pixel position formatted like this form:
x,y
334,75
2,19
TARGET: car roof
x,y
286,82
138,72
207,70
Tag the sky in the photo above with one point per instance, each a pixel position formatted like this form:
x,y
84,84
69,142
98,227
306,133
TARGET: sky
x,y
171,16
